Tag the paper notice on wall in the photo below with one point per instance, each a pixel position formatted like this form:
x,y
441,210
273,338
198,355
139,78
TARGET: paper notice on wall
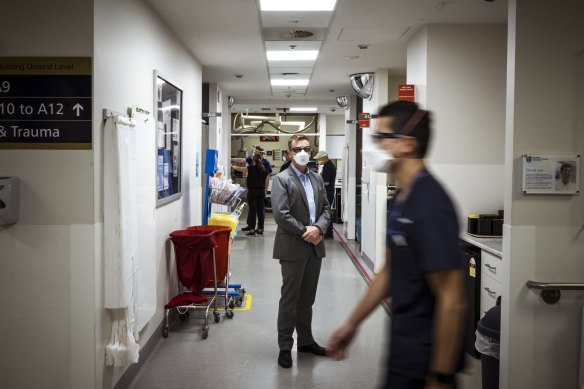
x,y
175,159
167,120
166,171
175,130
160,134
551,174
160,172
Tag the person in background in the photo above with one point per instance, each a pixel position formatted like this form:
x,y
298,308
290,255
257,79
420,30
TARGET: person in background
x,y
564,183
257,181
250,161
329,176
286,164
302,214
423,271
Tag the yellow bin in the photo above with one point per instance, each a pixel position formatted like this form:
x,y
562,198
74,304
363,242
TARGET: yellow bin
x,y
224,219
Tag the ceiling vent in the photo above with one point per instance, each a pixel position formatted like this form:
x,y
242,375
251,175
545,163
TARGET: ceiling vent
x,y
296,34
362,84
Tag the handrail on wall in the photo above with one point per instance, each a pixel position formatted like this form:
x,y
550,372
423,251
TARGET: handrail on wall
x,y
550,291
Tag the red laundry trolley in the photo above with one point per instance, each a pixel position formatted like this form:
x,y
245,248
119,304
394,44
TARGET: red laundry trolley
x,y
201,255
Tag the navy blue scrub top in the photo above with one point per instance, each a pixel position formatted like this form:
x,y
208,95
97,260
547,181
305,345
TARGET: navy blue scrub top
x,y
422,236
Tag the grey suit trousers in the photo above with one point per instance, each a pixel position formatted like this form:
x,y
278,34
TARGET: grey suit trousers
x,y
299,284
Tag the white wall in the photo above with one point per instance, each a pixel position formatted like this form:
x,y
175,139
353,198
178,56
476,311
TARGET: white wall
x,y
349,170
374,193
540,345
131,42
335,138
46,260
335,123
463,85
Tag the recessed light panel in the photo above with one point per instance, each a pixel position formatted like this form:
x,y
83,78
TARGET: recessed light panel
x,y
292,55
297,5
284,82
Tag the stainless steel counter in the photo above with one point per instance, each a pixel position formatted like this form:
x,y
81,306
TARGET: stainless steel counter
x,y
491,245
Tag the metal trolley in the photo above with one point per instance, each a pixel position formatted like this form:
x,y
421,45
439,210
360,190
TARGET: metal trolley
x,y
200,254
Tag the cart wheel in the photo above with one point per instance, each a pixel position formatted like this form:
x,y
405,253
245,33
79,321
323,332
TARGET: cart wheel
x,y
164,332
216,316
229,314
232,304
239,301
182,316
205,332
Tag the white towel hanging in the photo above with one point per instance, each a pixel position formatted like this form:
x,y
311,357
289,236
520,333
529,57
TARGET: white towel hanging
x,y
120,246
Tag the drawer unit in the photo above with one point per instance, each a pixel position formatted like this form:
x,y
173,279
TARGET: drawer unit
x,y
490,290
491,265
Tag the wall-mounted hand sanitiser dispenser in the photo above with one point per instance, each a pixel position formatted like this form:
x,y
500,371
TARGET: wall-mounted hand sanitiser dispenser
x,y
9,200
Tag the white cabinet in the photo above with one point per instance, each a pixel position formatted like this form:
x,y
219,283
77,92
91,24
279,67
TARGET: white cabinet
x,y
491,283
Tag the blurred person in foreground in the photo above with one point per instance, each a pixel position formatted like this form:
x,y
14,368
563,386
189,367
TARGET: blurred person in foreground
x,y
423,272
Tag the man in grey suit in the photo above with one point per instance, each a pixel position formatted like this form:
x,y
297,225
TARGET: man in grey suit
x,y
302,213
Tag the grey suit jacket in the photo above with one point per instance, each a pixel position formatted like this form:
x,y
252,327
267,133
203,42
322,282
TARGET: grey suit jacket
x,y
290,210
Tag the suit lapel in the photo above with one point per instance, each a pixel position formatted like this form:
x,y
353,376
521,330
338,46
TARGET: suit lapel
x,y
298,183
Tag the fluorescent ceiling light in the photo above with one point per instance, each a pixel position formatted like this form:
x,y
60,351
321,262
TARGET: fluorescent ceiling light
x,y
292,55
297,5
282,82
303,109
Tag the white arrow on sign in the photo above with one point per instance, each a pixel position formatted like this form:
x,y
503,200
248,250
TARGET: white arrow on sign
x,y
77,108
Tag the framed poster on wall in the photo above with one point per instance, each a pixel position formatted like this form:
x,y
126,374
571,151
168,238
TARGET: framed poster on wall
x,y
551,174
168,114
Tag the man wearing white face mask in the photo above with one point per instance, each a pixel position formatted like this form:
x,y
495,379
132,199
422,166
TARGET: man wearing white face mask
x,y
423,272
302,213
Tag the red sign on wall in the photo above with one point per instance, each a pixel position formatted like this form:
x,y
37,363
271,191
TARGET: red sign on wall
x,y
363,119
405,92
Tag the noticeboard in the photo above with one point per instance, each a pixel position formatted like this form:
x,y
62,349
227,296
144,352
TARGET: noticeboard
x,y
551,174
45,103
168,114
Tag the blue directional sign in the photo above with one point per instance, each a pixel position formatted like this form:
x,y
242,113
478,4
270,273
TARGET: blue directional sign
x,y
45,103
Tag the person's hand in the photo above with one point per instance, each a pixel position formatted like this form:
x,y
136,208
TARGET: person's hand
x,y
312,235
340,341
319,239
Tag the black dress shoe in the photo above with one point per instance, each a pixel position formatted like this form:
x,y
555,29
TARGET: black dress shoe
x,y
285,359
247,228
313,349
259,231
251,233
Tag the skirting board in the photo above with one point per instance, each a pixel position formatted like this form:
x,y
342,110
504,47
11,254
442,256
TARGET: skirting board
x,y
132,371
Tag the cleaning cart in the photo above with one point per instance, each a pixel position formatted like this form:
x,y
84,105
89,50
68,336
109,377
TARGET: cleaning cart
x,y
196,251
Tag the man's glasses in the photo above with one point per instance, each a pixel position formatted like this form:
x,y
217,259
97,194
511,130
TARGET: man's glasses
x,y
386,135
299,149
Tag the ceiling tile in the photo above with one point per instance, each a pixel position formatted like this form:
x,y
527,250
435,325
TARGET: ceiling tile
x,y
300,71
371,35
